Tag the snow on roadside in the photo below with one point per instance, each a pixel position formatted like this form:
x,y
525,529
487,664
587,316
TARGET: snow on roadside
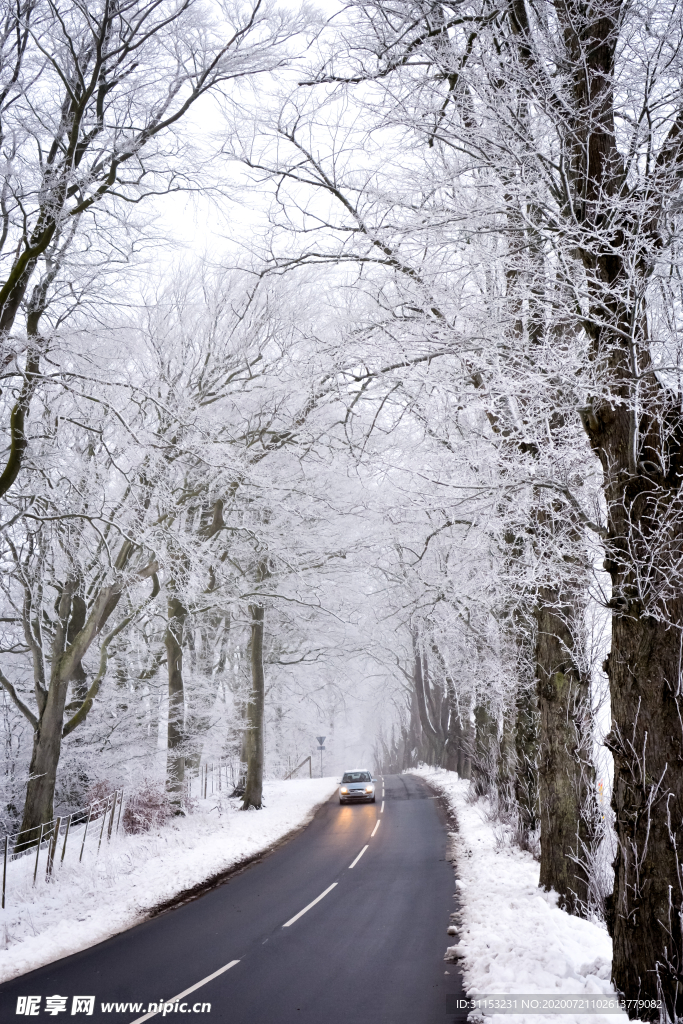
x,y
92,901
513,939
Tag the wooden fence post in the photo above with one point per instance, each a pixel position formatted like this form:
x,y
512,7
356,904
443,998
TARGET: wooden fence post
x,y
105,812
111,816
40,839
4,872
85,832
66,836
52,847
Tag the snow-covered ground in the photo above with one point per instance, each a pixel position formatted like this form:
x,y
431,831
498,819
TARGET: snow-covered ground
x,y
91,901
513,939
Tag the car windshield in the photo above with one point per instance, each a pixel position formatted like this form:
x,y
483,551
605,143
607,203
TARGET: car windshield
x,y
356,777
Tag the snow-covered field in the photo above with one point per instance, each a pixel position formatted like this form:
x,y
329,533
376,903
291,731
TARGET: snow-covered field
x,y
513,939
89,902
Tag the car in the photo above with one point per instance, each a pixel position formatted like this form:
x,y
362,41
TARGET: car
x,y
357,786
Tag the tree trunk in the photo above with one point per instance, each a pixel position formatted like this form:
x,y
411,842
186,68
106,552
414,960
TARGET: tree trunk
x,y
566,774
635,426
253,792
485,742
47,737
507,763
65,659
454,737
175,756
466,748
645,910
644,514
47,745
526,757
428,730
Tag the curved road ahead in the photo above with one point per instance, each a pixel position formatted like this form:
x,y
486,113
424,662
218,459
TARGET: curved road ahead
x,y
370,951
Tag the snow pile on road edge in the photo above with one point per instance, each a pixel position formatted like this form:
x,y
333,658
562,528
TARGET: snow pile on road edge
x,y
90,902
512,936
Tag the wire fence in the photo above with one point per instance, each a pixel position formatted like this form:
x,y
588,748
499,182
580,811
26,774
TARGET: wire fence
x,y
38,851
227,775
221,776
41,848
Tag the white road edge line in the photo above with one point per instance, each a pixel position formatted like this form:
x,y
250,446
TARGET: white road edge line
x,y
302,912
358,858
381,810
375,828
187,991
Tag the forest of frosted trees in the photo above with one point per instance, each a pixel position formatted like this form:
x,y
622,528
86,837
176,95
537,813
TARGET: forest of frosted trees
x,y
405,433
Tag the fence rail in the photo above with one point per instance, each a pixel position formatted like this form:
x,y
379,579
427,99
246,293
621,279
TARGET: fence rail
x,y
212,777
48,842
49,836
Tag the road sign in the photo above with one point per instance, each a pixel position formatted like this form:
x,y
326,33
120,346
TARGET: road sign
x,y
321,747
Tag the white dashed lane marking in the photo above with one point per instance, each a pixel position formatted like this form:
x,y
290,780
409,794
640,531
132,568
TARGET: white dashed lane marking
x,y
311,904
353,864
187,991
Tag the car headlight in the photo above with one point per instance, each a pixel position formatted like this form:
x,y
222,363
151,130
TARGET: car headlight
x,y
368,789
343,790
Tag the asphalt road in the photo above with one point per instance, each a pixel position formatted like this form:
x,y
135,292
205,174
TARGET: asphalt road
x,y
369,952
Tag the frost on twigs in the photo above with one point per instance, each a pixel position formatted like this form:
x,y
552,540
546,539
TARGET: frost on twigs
x,y
146,809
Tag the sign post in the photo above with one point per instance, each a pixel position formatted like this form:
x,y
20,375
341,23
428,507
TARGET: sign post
x,y
321,747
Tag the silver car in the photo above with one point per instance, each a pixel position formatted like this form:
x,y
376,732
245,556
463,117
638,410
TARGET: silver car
x,y
357,785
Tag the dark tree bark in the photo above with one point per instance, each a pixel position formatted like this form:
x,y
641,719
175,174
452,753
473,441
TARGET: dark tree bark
x,y
485,749
565,771
65,657
414,740
253,791
526,756
638,435
507,762
454,735
175,756
47,737
466,748
428,710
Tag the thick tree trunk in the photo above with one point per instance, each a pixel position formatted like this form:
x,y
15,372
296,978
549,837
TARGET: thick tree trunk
x,y
466,748
47,738
431,698
507,763
66,656
646,741
635,427
175,756
414,731
526,757
47,745
253,792
485,752
429,731
454,737
646,736
566,774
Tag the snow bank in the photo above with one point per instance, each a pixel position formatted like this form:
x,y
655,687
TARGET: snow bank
x,y
104,895
513,938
